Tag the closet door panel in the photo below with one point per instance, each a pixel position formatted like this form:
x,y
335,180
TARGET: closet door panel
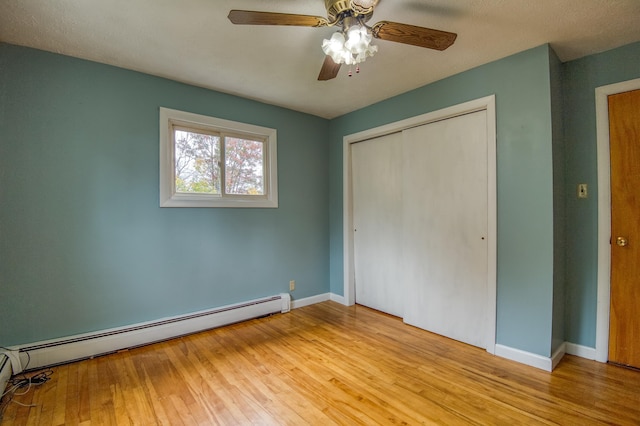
x,y
377,203
444,215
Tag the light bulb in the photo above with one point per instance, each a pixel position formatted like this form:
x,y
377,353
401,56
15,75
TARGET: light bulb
x,y
350,49
357,38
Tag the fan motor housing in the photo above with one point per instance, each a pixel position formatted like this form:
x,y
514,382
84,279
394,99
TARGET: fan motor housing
x,y
338,9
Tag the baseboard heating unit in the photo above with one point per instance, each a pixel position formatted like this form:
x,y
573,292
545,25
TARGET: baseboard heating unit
x,y
5,373
82,346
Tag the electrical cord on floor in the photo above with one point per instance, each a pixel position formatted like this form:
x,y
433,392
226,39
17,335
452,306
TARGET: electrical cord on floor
x,y
21,385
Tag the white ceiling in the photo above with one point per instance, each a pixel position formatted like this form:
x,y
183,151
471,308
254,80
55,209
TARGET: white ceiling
x,y
192,41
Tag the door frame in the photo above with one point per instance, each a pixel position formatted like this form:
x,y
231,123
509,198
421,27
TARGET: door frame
x,y
486,103
604,212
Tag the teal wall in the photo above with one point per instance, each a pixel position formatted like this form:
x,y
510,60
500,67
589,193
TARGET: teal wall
x,y
521,84
84,244
580,79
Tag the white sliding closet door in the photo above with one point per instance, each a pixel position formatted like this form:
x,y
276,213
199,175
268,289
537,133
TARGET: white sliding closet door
x,y
377,204
444,215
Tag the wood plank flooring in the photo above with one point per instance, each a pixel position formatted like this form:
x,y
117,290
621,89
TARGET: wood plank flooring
x,y
325,364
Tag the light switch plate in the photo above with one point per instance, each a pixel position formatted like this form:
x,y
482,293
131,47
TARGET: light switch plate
x,y
582,190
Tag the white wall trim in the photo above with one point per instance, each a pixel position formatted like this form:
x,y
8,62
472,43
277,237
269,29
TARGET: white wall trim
x,y
5,373
604,213
557,355
337,298
168,195
12,356
523,357
13,360
87,345
487,103
318,298
581,351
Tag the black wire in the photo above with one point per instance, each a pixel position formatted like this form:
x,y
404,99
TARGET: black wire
x,y
16,383
20,383
36,379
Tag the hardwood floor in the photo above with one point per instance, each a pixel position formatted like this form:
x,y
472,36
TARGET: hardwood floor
x,y
325,364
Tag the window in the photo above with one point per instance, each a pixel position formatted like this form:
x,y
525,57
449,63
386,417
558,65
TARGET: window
x,y
210,162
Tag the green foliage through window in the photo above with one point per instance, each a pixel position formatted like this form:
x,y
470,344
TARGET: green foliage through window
x,y
198,162
212,162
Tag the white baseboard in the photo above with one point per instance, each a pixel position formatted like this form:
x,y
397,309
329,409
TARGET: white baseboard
x,y
557,355
5,372
523,357
318,298
88,345
581,351
544,363
337,298
12,356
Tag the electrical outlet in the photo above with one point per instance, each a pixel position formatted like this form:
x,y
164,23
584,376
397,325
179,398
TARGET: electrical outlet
x,y
292,285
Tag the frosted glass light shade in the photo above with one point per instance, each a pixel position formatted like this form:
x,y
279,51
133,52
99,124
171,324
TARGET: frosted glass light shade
x,y
353,49
334,47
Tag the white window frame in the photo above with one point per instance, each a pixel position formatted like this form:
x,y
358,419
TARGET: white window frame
x,y
168,195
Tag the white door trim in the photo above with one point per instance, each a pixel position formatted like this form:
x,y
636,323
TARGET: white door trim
x,y
487,103
604,212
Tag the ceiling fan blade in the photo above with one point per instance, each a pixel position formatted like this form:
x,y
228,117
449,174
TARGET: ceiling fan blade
x,y
410,34
250,17
329,69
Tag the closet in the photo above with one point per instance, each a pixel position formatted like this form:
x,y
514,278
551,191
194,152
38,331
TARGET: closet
x,y
421,226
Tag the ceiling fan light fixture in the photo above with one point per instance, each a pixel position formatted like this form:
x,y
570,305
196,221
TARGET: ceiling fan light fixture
x,y
334,47
358,38
369,51
352,43
356,47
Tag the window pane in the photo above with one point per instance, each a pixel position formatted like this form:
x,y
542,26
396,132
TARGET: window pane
x,y
244,166
197,159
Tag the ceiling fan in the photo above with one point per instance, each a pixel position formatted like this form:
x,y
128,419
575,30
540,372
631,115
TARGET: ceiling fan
x,y
352,43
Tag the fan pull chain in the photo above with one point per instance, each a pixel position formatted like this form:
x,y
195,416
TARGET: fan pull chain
x,y
357,70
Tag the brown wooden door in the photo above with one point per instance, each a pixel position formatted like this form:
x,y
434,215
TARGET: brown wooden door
x,y
624,136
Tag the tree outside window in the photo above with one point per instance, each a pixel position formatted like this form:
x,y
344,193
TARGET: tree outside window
x,y
209,162
197,163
